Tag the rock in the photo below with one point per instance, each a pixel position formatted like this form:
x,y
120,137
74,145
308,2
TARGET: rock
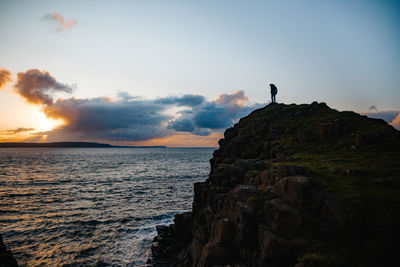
x,y
261,206
170,245
183,220
214,254
288,219
6,256
298,189
328,129
244,164
162,230
243,192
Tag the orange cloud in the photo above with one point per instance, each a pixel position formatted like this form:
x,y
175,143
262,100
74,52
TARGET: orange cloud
x,y
60,21
396,122
5,76
237,98
15,135
18,130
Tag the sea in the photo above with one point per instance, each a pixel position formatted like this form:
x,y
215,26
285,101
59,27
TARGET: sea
x,y
93,206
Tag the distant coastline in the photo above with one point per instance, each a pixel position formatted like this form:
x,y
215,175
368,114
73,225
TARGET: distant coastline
x,y
67,145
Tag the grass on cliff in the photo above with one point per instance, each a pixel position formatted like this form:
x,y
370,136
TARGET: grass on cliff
x,y
367,184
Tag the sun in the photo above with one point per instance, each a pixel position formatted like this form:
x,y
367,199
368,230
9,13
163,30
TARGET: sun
x,y
45,124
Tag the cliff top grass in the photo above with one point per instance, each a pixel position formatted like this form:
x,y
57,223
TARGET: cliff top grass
x,y
356,158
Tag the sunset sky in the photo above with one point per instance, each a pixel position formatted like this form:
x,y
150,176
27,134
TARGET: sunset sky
x,y
178,73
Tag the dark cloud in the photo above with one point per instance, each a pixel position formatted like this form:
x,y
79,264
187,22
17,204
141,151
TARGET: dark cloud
x,y
182,125
100,118
5,76
213,116
37,86
202,132
61,23
137,119
374,108
185,100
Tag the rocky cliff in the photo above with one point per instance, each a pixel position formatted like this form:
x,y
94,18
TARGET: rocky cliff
x,y
290,185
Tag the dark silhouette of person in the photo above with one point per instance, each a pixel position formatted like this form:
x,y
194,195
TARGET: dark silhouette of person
x,y
274,91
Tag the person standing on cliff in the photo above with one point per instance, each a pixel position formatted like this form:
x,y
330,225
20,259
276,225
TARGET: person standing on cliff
x,y
274,91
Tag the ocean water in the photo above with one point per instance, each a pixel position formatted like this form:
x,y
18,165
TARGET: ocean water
x,y
93,207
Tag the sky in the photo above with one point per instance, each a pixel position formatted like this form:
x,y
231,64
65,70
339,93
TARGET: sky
x,y
178,73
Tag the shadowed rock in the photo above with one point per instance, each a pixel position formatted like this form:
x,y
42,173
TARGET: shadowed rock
x,y
6,256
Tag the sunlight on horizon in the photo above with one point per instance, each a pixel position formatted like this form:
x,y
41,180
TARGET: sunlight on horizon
x,y
46,124
39,126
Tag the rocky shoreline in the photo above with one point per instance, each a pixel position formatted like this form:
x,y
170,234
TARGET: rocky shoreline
x,y
171,241
276,194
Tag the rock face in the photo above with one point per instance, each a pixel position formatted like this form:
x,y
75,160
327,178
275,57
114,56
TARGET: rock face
x,y
169,246
274,193
6,257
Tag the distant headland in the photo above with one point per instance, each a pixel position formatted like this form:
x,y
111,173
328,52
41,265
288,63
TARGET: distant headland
x,y
67,145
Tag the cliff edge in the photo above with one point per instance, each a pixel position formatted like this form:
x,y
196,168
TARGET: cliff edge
x,y
293,185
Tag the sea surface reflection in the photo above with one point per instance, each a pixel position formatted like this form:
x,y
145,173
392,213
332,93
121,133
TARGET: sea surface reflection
x,y
94,206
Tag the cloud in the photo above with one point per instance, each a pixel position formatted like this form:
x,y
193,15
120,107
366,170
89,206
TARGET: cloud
x,y
121,120
16,135
373,108
136,119
60,21
37,86
17,131
127,118
213,116
185,100
182,125
237,98
396,122
5,76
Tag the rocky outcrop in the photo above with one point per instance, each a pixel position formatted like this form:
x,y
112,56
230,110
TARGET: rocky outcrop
x,y
6,256
271,196
264,222
170,244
